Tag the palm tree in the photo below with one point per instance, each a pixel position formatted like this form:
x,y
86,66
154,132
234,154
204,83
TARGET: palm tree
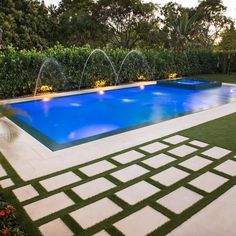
x,y
8,131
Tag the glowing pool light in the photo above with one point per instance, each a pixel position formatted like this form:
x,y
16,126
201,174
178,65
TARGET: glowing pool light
x,y
101,92
231,90
127,100
74,104
142,87
46,99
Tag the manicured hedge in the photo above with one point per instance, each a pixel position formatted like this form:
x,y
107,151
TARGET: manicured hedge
x,y
19,69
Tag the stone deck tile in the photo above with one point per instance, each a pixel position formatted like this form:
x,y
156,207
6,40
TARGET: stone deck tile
x,y
154,147
195,163
59,181
47,206
179,200
228,167
101,233
137,192
93,188
25,193
95,213
129,173
176,139
55,228
182,150
158,160
141,223
5,183
170,176
199,144
127,157
216,152
97,168
208,181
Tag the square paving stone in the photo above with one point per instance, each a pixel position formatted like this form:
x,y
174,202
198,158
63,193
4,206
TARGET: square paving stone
x,y
55,227
179,200
2,171
93,188
137,192
97,168
25,193
182,150
60,181
170,176
175,139
141,222
216,152
127,157
5,183
129,173
195,163
47,206
208,182
199,144
227,167
154,147
101,233
158,160
95,213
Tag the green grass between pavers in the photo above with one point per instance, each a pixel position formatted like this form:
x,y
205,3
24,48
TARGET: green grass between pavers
x,y
220,132
217,77
195,133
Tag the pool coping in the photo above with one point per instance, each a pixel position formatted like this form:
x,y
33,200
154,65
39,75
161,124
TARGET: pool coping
x,y
31,159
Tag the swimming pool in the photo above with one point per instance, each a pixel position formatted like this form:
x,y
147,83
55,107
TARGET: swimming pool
x,y
66,121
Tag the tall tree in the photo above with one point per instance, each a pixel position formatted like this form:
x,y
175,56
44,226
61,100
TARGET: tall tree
x,y
126,21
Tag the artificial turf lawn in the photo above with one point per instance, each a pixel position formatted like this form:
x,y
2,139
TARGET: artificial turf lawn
x,y
218,77
220,132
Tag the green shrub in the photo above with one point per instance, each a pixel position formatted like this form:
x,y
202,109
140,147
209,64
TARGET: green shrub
x,y
19,69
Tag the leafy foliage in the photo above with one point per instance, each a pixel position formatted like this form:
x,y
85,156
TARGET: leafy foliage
x,y
19,69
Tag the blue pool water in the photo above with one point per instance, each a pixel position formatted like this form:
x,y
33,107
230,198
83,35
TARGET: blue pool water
x,y
68,119
188,81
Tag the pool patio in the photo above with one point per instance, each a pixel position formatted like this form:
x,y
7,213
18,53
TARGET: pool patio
x,y
152,180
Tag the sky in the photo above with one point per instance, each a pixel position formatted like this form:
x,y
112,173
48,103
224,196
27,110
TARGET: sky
x,y
230,4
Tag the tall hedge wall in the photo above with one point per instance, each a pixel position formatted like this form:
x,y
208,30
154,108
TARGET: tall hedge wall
x,y
19,69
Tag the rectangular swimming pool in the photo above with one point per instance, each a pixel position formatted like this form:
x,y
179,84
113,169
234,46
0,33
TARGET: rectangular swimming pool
x,y
66,121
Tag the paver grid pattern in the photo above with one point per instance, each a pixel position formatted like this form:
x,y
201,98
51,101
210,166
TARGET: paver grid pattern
x,y
127,198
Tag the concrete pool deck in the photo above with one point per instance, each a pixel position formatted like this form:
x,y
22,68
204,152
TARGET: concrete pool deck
x,y
133,183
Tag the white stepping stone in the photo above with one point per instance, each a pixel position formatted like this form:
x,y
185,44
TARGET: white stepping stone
x,y
195,163
127,157
170,176
154,147
60,181
129,173
216,152
2,171
208,182
47,206
182,150
176,139
95,213
179,200
158,160
5,183
102,233
93,188
137,192
199,143
141,222
97,168
227,167
55,227
25,193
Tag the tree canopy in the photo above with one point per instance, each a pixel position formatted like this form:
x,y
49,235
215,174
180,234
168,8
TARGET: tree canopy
x,y
104,23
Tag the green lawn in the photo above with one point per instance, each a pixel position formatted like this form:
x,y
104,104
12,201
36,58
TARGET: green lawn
x,y
220,132
218,77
